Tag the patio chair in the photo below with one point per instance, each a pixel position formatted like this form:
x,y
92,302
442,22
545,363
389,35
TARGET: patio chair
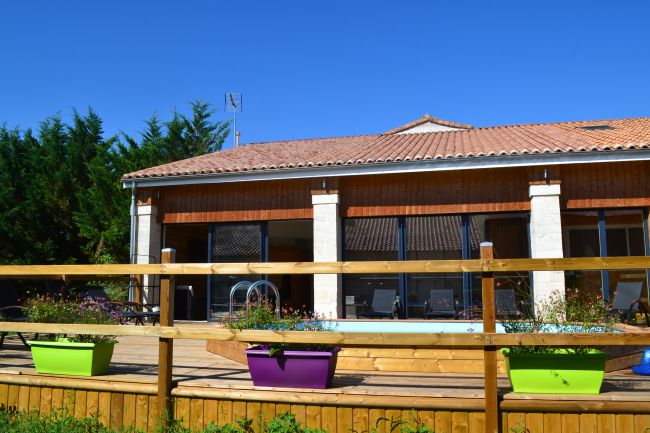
x,y
440,304
384,304
56,288
506,302
93,292
136,312
10,311
627,300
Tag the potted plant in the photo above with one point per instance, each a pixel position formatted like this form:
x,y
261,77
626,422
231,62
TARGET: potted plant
x,y
79,355
287,365
569,370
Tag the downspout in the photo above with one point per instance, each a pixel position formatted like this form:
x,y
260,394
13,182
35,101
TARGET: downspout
x,y
133,240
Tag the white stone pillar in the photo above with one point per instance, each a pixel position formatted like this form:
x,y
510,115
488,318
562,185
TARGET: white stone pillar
x,y
327,248
546,239
147,248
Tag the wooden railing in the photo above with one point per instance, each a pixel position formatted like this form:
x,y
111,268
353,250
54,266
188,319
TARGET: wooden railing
x,y
487,341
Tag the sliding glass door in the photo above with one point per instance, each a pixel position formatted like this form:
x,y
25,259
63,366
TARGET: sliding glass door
x,y
233,243
605,233
435,237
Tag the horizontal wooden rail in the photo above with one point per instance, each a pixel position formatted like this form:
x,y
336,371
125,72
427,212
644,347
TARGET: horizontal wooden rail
x,y
371,339
369,267
82,329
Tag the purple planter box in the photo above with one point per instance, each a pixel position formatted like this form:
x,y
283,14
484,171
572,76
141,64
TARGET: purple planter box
x,y
292,368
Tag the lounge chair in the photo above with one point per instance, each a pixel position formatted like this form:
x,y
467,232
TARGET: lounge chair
x,y
627,299
384,304
135,312
10,311
93,292
506,302
440,304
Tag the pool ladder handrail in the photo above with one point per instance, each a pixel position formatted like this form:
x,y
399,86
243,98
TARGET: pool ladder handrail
x,y
233,290
254,289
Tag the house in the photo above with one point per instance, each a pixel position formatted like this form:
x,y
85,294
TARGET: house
x,y
431,189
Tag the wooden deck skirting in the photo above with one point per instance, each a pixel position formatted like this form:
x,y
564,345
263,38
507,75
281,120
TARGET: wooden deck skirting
x,y
123,403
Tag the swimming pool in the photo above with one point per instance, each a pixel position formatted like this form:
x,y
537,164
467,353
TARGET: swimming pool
x,y
458,360
407,326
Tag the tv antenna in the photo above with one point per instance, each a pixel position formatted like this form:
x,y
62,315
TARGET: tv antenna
x,y
233,104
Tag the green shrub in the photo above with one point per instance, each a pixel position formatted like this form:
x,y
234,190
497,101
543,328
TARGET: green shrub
x,y
59,421
45,309
263,316
575,312
55,422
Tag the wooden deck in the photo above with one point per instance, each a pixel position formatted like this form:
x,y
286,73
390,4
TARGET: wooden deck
x,y
211,388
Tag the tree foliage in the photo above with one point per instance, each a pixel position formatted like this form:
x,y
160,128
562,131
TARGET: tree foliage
x,y
61,199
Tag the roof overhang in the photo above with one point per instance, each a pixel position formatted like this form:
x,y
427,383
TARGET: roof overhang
x,y
430,165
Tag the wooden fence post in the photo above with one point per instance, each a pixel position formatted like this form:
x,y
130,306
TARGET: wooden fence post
x,y
138,288
166,345
489,352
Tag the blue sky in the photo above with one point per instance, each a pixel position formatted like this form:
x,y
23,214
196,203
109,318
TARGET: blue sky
x,y
329,68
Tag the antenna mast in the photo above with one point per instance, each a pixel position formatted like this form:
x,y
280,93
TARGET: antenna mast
x,y
233,103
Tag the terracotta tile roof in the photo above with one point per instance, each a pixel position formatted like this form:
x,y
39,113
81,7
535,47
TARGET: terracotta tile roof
x,y
427,119
586,136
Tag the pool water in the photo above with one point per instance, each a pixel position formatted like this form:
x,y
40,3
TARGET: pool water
x,y
407,326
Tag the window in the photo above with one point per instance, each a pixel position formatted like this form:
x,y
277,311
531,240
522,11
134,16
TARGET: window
x,y
368,239
233,243
439,237
604,233
432,238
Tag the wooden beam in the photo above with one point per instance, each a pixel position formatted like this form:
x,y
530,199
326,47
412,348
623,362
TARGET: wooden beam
x,y
138,288
136,387
60,328
405,339
165,344
354,339
489,352
384,267
333,398
568,264
569,403
375,267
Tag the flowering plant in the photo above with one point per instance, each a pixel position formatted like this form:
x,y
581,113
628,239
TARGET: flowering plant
x,y
577,311
45,309
263,316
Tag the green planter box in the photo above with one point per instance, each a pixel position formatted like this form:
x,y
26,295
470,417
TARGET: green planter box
x,y
78,359
561,372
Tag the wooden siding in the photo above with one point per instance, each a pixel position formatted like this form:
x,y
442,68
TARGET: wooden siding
x,y
603,185
496,190
607,185
117,409
244,201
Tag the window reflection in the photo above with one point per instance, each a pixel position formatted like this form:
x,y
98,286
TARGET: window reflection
x,y
368,239
233,243
509,234
433,238
623,236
